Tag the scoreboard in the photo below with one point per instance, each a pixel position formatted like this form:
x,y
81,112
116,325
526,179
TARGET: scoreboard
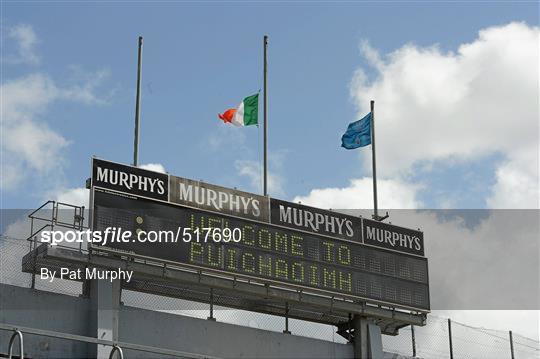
x,y
268,252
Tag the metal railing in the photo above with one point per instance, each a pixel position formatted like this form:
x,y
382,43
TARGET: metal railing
x,y
50,222
116,346
440,338
17,333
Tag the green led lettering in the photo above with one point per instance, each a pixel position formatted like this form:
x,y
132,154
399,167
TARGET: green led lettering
x,y
248,262
204,222
328,253
192,221
297,245
298,272
329,278
247,235
214,222
345,281
196,253
314,276
231,262
281,242
215,256
282,269
344,255
265,239
265,266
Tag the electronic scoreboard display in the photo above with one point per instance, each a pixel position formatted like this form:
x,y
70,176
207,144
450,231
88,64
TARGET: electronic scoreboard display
x,y
268,252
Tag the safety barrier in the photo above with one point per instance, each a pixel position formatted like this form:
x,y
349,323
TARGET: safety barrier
x,y
116,346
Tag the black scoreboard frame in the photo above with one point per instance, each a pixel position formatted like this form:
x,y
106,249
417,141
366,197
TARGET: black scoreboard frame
x,y
260,279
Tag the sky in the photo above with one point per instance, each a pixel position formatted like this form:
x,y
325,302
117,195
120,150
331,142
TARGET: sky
x,y
455,86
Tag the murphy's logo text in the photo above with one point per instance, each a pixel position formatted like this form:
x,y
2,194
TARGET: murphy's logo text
x,y
128,179
393,237
314,220
218,199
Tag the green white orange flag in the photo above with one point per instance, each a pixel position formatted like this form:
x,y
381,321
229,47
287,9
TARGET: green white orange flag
x,y
244,115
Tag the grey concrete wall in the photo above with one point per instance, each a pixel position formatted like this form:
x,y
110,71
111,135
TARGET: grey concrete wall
x,y
45,310
220,339
68,314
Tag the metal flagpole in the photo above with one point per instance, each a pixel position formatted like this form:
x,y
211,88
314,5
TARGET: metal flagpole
x,y
138,107
374,163
265,160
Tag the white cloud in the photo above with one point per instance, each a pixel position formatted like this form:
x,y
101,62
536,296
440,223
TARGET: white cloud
x,y
225,136
84,86
438,106
29,145
433,107
517,183
25,38
253,171
359,195
156,167
74,196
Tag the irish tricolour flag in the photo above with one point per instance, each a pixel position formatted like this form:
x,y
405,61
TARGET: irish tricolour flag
x,y
246,114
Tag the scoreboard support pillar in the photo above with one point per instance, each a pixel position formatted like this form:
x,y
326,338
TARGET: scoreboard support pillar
x,y
360,337
367,339
105,304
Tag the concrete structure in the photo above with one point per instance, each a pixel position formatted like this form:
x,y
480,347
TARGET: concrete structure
x,y
26,307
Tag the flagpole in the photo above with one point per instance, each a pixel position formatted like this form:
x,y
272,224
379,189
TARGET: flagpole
x,y
138,107
373,161
265,160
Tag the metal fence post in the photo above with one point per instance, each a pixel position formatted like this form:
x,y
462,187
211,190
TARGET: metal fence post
x,y
413,341
286,331
34,263
211,317
511,344
450,338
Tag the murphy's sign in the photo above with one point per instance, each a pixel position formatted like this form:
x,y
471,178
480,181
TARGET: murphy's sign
x,y
178,190
315,220
130,179
223,200
392,237
218,199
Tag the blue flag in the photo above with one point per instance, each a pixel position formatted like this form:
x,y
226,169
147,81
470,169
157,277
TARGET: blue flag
x,y
358,133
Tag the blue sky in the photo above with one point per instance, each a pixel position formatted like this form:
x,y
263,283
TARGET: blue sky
x,y
455,84
200,59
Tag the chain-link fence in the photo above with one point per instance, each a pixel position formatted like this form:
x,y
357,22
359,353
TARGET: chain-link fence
x,y
440,338
444,338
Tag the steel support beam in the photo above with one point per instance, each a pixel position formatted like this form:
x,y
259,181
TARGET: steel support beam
x,y
263,298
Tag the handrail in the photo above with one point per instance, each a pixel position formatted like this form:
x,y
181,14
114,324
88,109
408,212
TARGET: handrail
x,y
11,342
74,206
92,340
115,349
31,237
78,215
43,205
78,218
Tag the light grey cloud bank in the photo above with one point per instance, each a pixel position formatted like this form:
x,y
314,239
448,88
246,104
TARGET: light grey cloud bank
x,y
432,107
